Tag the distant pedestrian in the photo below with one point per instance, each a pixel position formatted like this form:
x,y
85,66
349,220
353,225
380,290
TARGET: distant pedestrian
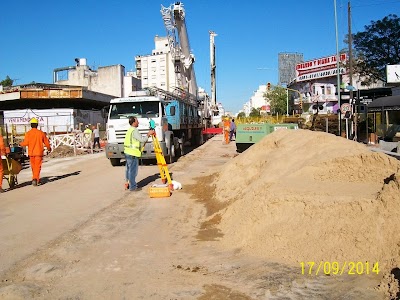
x,y
133,150
35,139
96,135
232,130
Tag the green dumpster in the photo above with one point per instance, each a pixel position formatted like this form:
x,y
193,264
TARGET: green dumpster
x,y
249,134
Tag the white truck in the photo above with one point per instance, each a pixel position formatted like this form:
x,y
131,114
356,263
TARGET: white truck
x,y
177,121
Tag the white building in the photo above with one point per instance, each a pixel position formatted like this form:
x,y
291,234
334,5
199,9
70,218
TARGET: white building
x,y
258,100
157,69
247,108
110,80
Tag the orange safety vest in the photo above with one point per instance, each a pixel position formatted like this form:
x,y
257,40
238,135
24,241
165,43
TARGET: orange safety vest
x,y
227,125
35,139
2,148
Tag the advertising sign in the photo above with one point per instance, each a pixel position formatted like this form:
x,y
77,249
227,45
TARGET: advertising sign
x,y
319,68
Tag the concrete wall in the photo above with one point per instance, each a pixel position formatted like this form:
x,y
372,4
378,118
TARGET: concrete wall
x,y
106,80
131,84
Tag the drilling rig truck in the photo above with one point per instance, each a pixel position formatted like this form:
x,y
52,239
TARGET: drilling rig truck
x,y
179,115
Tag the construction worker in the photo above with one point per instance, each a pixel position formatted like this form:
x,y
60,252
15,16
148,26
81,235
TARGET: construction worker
x,y
232,131
87,136
227,129
133,151
2,152
35,139
96,136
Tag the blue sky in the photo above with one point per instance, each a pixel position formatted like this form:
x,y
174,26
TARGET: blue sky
x,y
39,36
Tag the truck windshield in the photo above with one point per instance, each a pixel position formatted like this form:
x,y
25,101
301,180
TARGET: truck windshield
x,y
148,109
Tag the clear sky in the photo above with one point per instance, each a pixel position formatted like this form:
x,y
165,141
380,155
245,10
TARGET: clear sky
x,y
39,36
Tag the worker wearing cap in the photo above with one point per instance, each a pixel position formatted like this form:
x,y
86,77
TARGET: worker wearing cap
x,y
35,139
2,152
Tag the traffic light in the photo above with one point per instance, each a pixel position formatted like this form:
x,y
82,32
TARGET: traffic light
x,y
268,86
301,103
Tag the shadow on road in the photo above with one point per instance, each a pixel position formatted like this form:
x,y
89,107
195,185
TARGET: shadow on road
x,y
47,179
148,179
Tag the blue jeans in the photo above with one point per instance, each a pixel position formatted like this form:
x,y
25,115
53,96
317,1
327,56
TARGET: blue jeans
x,y
131,171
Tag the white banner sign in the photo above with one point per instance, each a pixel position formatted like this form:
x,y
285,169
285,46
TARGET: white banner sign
x,y
321,74
23,120
319,68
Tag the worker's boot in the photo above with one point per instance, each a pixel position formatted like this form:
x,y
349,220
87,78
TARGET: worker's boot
x,y
34,182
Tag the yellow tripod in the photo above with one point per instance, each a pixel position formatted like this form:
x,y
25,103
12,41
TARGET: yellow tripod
x,y
162,165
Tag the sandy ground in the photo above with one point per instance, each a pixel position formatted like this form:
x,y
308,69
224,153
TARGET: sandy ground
x,y
81,236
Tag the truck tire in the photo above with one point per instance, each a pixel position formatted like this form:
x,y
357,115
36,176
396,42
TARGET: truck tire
x,y
115,162
169,159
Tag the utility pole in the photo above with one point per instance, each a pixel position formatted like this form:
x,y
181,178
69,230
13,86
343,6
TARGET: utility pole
x,y
337,70
213,69
350,42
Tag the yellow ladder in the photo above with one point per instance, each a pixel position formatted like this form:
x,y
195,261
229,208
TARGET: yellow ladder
x,y
162,165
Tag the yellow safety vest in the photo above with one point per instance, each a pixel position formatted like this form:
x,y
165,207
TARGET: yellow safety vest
x,y
132,145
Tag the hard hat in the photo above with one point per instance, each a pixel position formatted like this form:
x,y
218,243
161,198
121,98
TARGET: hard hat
x,y
34,121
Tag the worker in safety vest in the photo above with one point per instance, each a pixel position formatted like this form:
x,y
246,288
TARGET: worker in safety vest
x,y
133,151
2,153
35,139
227,129
87,134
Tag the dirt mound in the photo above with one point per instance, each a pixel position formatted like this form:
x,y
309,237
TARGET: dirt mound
x,y
64,151
302,196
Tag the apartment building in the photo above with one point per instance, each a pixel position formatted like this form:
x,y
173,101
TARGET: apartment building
x,y
157,69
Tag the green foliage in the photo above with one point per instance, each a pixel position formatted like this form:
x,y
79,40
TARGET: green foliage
x,y
241,115
277,99
255,112
377,47
7,82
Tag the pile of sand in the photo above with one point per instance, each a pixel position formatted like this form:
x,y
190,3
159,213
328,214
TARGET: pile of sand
x,y
299,195
64,151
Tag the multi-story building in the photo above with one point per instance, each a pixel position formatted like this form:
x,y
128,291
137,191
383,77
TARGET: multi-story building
x,y
258,101
316,81
157,69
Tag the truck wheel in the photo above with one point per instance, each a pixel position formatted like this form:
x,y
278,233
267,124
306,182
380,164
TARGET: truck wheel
x,y
170,158
115,162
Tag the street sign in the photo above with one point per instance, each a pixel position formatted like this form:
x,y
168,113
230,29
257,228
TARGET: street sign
x,y
345,107
366,101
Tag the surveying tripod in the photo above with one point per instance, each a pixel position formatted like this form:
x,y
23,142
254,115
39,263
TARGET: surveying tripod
x,y
162,165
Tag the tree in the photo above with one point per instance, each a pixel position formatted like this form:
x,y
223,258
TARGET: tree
x,y
255,112
241,115
7,82
377,47
277,100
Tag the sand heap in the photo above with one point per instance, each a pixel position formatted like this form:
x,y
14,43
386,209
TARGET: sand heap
x,y
64,151
299,195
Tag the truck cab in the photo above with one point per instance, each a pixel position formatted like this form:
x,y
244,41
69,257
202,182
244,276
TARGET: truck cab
x,y
145,108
